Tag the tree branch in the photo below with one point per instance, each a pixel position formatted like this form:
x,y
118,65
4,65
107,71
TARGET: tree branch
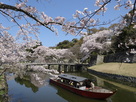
x,y
12,19
5,6
3,71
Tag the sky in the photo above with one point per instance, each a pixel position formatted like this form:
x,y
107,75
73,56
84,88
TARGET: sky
x,y
65,8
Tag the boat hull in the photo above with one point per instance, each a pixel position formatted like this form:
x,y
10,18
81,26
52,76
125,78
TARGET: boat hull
x,y
85,93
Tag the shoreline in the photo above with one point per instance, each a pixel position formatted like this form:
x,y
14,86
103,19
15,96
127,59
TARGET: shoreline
x,y
125,69
125,74
3,87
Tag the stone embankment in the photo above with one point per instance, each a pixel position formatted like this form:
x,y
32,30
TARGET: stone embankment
x,y
120,57
125,74
119,72
128,80
3,87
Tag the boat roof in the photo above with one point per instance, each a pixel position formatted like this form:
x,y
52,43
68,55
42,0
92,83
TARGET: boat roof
x,y
72,77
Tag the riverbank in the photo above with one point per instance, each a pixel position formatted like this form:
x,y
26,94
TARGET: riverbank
x,y
3,87
125,69
120,72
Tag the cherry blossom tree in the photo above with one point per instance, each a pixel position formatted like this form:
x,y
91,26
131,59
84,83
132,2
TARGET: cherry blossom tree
x,y
83,20
98,42
8,47
11,52
48,55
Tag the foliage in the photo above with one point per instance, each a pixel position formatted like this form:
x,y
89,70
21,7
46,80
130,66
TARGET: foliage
x,y
125,41
76,49
94,30
31,50
2,92
129,19
66,44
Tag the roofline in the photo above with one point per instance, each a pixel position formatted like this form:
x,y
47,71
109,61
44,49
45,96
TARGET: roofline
x,y
72,77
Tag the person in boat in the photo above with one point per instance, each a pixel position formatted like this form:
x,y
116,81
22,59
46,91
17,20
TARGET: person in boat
x,y
71,83
89,84
77,85
92,85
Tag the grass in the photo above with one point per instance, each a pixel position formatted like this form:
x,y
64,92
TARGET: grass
x,y
2,92
126,69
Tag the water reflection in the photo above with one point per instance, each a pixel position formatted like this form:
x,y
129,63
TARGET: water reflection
x,y
71,97
27,84
33,80
124,93
35,87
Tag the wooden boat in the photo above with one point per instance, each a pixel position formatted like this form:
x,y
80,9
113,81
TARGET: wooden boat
x,y
76,85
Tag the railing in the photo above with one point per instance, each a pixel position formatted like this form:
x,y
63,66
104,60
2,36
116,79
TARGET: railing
x,y
55,64
62,66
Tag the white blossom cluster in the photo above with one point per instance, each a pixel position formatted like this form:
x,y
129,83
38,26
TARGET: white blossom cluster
x,y
10,52
98,42
46,54
127,4
43,69
13,52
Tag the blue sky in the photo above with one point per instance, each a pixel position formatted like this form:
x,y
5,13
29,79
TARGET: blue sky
x,y
66,8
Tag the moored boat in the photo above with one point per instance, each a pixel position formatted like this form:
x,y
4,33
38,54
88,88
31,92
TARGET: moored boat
x,y
78,86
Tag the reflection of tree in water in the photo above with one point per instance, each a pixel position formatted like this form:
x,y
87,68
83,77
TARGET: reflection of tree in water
x,y
38,79
26,81
32,80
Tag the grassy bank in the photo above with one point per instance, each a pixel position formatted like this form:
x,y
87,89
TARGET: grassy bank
x,y
2,85
127,69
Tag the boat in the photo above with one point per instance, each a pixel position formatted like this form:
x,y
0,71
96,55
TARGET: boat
x,y
78,86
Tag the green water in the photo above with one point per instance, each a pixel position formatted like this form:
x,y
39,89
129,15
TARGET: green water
x,y
35,87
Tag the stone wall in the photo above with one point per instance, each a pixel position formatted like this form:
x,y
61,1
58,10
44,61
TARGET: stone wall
x,y
120,57
96,59
128,80
93,60
117,57
100,59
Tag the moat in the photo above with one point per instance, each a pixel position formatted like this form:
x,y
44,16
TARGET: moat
x,y
35,87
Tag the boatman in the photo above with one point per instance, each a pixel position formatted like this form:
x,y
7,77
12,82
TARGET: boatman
x,y
89,84
92,85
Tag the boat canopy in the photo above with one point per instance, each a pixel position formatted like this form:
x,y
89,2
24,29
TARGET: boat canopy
x,y
72,77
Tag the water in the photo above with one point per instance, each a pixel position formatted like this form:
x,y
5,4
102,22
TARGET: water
x,y
35,87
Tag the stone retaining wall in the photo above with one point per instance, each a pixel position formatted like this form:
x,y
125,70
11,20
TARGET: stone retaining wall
x,y
128,80
120,57
93,60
